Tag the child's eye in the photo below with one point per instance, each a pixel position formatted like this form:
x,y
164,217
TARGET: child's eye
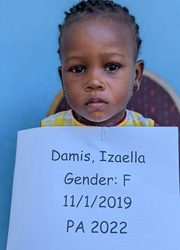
x,y
77,69
112,67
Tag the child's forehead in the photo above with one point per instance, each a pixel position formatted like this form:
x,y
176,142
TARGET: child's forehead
x,y
94,25
95,36
101,28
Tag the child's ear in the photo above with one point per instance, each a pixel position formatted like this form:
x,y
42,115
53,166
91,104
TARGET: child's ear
x,y
139,70
60,72
138,74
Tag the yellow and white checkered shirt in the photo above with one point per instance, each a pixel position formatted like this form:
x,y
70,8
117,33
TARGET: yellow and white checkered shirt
x,y
66,118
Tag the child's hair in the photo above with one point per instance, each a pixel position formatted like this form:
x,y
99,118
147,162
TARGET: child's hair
x,y
102,8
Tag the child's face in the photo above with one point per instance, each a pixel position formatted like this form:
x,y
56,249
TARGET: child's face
x,y
99,70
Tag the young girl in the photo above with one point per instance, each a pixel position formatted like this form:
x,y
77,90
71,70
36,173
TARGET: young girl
x,y
98,46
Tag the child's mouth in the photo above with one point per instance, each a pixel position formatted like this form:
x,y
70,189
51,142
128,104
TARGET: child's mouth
x,y
96,102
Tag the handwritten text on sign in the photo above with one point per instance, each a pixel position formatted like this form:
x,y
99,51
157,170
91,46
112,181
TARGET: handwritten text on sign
x,y
99,188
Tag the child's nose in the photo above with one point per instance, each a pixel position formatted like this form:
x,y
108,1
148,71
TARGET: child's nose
x,y
95,83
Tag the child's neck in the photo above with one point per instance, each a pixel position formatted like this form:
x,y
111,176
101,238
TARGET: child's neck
x,y
113,121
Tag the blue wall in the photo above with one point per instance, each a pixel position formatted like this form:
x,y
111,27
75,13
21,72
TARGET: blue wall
x,y
28,67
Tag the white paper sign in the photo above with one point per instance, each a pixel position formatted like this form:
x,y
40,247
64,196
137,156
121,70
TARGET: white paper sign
x,y
96,188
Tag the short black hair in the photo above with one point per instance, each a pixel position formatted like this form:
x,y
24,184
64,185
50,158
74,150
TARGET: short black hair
x,y
102,8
